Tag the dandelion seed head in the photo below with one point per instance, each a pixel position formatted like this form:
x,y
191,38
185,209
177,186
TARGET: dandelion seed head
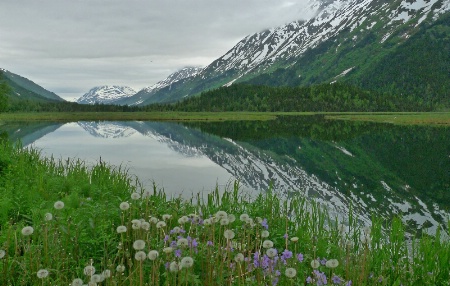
x,y
229,234
135,196
221,215
160,224
153,220
106,273
145,225
187,262
267,243
271,252
290,272
239,257
168,250
224,221
264,234
183,220
28,230
166,216
174,267
231,217
136,224
120,268
2,253
146,194
58,205
77,282
124,206
207,222
97,278
332,263
121,229
294,239
315,263
367,230
244,217
91,283
42,273
89,270
48,216
140,255
153,254
139,244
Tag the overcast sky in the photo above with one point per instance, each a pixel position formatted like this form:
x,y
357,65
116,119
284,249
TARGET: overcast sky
x,y
70,46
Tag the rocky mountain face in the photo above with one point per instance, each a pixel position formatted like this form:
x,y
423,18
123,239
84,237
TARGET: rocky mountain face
x,y
148,92
344,40
106,94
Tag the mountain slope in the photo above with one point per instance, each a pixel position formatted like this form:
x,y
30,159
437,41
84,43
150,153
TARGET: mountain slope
x,y
174,79
106,94
346,41
23,88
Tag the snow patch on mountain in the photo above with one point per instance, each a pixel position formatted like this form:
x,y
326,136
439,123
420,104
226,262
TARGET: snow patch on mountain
x,y
176,76
107,94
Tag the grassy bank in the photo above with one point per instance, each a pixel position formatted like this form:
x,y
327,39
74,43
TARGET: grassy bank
x,y
404,118
63,223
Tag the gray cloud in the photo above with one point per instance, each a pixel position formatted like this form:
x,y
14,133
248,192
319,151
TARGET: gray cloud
x,y
69,47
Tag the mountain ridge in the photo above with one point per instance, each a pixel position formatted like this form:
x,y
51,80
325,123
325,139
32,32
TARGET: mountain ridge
x,y
106,94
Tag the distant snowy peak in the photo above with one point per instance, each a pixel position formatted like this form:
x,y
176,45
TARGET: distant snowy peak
x,y
176,76
107,94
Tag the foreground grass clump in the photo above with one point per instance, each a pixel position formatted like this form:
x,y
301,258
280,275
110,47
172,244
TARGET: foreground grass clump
x,y
74,225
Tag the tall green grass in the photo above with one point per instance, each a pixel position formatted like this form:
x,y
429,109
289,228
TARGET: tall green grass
x,y
65,223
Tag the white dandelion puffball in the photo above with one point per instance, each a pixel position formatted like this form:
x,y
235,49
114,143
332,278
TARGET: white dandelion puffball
x,y
48,216
207,222
121,229
187,262
89,270
145,225
168,250
224,221
231,218
2,253
59,205
42,273
153,254
182,242
290,272
106,273
271,252
77,282
140,255
264,234
139,244
160,224
294,239
244,217
176,229
221,214
166,216
239,257
332,263
153,220
92,283
267,244
124,206
136,224
97,278
174,267
120,268
315,263
135,196
183,220
28,230
146,194
229,234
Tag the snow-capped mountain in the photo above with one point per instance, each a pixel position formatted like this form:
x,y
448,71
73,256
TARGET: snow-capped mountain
x,y
106,94
147,92
346,26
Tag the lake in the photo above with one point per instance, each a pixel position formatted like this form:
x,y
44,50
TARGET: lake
x,y
374,168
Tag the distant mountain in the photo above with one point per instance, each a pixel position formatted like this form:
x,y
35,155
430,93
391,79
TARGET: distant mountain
x,y
177,77
106,94
349,41
23,88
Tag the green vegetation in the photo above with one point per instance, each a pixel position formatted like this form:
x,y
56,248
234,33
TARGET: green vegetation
x,y
61,219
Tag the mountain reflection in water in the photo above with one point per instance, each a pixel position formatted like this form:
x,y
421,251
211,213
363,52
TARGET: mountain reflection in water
x,y
372,167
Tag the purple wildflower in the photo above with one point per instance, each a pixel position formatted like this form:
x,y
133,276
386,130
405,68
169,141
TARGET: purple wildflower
x,y
285,236
209,243
349,283
166,238
309,280
275,281
256,259
167,265
336,279
300,257
173,244
178,253
264,224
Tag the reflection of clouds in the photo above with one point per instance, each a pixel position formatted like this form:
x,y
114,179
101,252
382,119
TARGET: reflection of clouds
x,y
107,129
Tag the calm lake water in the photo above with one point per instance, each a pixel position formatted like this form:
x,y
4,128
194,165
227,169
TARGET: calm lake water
x,y
372,167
